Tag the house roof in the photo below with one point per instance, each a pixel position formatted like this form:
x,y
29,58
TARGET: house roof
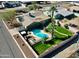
x,y
63,12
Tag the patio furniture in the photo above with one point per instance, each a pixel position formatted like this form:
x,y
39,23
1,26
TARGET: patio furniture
x,y
29,32
32,41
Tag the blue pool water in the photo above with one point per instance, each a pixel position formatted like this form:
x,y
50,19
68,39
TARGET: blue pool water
x,y
38,33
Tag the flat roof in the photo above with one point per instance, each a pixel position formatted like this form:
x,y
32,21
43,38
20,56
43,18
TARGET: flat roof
x,y
63,12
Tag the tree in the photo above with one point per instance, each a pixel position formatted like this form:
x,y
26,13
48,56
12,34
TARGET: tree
x,y
58,23
30,7
66,26
33,6
52,9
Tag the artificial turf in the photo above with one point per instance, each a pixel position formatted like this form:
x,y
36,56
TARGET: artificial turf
x,y
64,30
41,47
60,29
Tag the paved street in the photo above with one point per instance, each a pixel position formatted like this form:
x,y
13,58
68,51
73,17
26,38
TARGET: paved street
x,y
8,48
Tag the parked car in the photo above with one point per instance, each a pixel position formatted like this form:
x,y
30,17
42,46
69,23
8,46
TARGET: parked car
x,y
12,4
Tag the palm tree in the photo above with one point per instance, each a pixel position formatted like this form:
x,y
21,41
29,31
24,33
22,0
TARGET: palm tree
x,y
53,8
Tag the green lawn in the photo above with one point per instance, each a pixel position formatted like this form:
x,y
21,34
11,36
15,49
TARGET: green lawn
x,y
58,35
40,47
57,41
63,30
60,29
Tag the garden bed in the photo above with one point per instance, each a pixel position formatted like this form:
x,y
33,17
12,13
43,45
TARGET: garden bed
x,y
12,24
9,25
24,47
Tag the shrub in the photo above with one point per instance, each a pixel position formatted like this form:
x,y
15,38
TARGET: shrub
x,y
66,26
46,30
16,24
58,23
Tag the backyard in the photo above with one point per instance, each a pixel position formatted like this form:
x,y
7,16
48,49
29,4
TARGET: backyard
x,y
40,47
60,34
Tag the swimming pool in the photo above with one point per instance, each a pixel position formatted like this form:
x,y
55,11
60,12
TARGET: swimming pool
x,y
38,33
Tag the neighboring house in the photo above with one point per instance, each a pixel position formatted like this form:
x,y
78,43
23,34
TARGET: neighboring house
x,y
63,13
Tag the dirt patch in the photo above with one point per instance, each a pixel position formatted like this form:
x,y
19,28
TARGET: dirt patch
x,y
24,47
12,24
9,25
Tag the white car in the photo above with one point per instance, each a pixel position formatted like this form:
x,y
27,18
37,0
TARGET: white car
x,y
1,5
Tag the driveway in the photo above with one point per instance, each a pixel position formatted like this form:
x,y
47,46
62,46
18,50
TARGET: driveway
x,y
8,48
